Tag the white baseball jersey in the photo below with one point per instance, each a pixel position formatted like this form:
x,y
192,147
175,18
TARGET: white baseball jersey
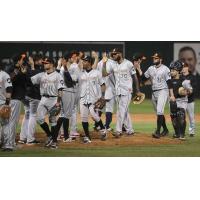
x,y
123,76
109,80
74,71
158,76
4,83
49,83
89,86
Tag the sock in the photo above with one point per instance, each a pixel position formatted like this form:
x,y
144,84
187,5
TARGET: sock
x,y
159,122
53,133
100,123
108,119
164,124
58,125
45,128
86,129
96,124
66,128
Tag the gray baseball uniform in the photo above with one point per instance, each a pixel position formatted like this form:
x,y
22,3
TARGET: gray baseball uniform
x,y
160,92
74,72
123,87
49,86
8,140
110,86
89,93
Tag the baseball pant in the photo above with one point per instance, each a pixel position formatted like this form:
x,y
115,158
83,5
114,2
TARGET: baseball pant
x,y
123,116
29,121
85,110
191,116
159,99
68,100
43,109
6,135
110,105
73,119
14,120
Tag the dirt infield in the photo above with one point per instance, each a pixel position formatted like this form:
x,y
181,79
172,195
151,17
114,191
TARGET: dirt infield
x,y
139,139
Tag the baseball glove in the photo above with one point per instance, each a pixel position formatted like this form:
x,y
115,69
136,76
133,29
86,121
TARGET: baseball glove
x,y
100,104
55,110
182,91
138,98
5,112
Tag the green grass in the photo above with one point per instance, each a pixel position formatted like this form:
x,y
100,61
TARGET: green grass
x,y
191,147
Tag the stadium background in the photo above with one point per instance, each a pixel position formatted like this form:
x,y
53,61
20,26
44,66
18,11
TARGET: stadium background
x,y
56,49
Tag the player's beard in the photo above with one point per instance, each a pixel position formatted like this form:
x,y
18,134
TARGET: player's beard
x,y
157,63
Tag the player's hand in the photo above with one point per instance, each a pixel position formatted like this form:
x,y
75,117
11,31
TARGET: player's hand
x,y
172,98
59,63
58,104
94,55
137,65
139,94
104,58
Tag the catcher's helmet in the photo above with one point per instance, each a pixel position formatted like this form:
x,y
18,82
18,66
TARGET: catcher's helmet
x,y
176,65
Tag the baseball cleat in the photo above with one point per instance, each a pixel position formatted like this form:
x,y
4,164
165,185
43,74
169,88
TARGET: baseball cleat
x,y
117,134
22,141
53,145
164,133
175,136
156,135
192,135
7,149
130,133
97,128
48,141
33,142
182,137
75,135
68,140
86,140
103,133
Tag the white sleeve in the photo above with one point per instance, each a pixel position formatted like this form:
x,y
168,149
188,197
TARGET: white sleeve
x,y
100,78
7,81
167,74
131,68
60,82
109,67
37,78
147,73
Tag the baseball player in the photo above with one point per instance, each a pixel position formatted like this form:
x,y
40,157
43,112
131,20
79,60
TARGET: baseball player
x,y
5,95
68,98
51,86
124,73
27,134
18,78
191,103
89,81
74,71
159,75
110,90
181,88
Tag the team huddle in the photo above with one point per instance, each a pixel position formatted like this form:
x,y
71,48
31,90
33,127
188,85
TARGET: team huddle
x,y
52,93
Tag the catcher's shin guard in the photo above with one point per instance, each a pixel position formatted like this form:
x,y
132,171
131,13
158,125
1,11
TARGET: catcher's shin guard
x,y
181,120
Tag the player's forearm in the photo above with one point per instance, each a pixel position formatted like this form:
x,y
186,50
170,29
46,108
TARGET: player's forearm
x,y
94,66
59,96
103,89
104,71
135,79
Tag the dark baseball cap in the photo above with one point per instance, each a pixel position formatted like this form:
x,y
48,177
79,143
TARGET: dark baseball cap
x,y
88,58
48,60
116,50
157,55
66,56
138,56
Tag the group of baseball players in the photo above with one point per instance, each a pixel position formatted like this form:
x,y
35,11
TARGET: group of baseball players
x,y
52,93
